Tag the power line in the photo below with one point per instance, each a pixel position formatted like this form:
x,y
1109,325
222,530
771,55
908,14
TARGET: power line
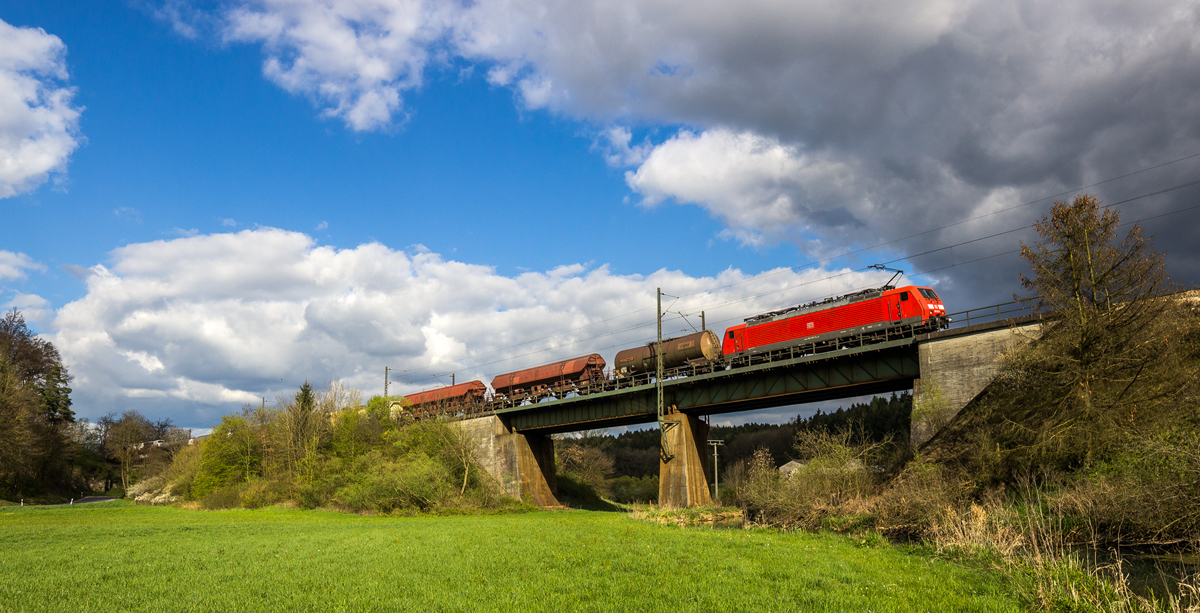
x,y
827,278
976,218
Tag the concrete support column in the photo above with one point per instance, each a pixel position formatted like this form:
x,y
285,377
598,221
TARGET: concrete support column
x,y
683,479
522,464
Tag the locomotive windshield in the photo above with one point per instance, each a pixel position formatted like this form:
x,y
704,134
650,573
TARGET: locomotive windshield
x,y
928,293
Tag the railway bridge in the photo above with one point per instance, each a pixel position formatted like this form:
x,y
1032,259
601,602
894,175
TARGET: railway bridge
x,y
951,366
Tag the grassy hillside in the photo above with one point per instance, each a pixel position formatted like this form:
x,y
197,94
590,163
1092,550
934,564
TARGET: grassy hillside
x,y
133,558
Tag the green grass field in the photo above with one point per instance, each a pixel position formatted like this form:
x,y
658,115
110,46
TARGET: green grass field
x,y
116,557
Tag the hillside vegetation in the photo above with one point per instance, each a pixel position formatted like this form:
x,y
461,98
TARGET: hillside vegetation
x,y
1089,438
324,449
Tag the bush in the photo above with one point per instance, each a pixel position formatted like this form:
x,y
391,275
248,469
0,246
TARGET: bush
x,y
358,459
418,482
260,493
181,474
1149,492
228,497
232,454
918,498
635,489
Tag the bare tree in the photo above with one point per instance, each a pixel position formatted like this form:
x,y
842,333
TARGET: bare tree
x,y
17,411
125,441
1111,355
337,396
304,425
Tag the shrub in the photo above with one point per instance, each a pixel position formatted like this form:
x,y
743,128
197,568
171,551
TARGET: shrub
x,y
260,493
1149,492
152,490
231,455
417,482
919,498
228,497
635,489
181,474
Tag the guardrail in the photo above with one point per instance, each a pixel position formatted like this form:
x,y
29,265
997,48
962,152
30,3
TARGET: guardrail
x,y
988,314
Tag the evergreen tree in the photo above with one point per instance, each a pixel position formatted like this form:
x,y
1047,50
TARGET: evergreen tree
x,y
56,396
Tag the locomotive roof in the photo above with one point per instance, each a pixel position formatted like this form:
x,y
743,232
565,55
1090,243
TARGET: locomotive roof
x,y
812,307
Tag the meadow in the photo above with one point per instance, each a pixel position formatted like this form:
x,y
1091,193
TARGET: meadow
x,y
117,557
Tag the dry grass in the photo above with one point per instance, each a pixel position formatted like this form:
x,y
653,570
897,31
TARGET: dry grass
x,y
1030,542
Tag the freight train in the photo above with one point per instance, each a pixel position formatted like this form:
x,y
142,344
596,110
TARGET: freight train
x,y
860,318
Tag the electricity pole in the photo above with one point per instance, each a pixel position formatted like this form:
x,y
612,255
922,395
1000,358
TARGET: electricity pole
x,y
658,382
385,381
715,444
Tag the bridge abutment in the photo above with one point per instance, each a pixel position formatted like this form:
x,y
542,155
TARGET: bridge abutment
x,y
683,479
956,365
523,464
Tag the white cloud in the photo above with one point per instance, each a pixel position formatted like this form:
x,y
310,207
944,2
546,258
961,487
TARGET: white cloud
x,y
14,265
355,57
191,325
832,112
228,223
38,126
34,308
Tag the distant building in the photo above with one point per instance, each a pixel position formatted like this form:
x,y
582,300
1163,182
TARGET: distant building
x,y
791,467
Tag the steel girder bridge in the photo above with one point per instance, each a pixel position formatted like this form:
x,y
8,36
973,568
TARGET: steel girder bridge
x,y
869,369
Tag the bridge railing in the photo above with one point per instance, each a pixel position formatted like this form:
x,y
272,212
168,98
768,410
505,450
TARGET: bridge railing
x,y
992,313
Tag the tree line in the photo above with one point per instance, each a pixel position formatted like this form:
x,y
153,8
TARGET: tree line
x,y
46,453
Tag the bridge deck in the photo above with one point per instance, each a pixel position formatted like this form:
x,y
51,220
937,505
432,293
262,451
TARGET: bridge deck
x,y
782,378
869,369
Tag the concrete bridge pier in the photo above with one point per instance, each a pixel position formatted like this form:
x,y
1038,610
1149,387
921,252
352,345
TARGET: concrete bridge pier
x,y
683,478
523,464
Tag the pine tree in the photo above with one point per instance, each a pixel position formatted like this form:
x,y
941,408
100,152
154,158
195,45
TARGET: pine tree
x,y
56,397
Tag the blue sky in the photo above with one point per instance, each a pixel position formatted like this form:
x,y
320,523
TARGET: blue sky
x,y
209,202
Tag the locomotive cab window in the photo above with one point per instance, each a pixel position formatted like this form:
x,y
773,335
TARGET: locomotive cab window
x,y
904,297
731,334
928,293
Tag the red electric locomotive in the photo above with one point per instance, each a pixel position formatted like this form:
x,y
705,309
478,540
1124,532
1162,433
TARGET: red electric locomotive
x,y
866,316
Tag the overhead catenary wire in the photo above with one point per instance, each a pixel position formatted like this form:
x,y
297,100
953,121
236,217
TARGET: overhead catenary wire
x,y
960,222
826,278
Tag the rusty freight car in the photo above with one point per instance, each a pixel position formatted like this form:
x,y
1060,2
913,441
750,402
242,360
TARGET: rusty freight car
x,y
451,397
556,378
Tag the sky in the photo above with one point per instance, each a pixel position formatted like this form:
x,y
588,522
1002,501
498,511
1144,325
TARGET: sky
x,y
207,203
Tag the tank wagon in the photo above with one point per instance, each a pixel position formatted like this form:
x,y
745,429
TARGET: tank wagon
x,y
699,347
471,392
864,316
554,378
